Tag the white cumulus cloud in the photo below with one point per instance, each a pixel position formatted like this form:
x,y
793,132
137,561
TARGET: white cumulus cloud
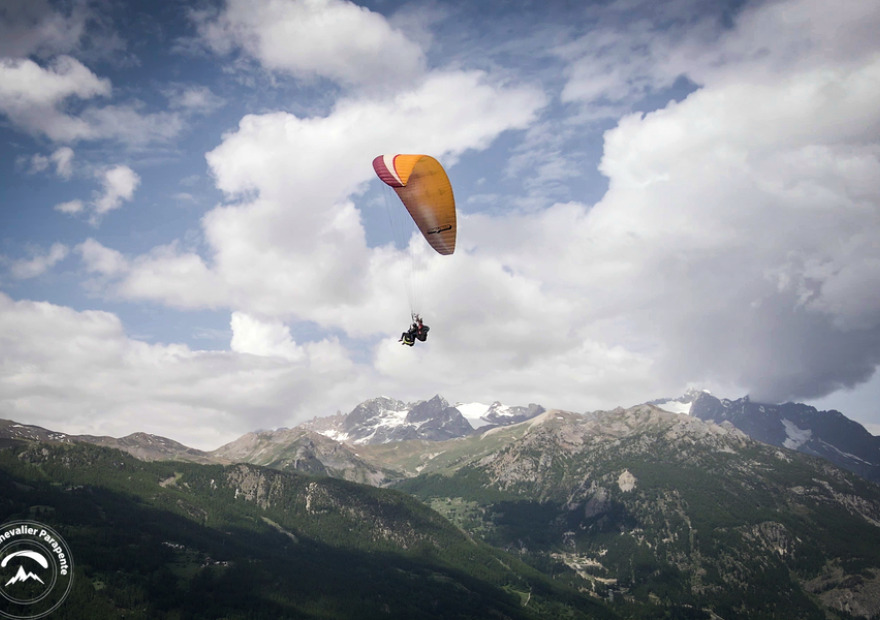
x,y
39,264
119,184
193,98
333,39
63,160
735,240
39,163
31,95
98,258
272,338
33,27
33,98
79,372
70,207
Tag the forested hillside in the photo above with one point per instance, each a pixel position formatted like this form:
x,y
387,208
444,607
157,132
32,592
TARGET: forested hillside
x,y
178,540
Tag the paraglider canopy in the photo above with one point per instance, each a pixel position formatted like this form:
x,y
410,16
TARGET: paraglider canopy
x,y
425,190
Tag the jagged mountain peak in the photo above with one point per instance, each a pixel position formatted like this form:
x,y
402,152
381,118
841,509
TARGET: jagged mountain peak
x,y
693,393
801,427
300,449
651,419
427,409
682,404
385,420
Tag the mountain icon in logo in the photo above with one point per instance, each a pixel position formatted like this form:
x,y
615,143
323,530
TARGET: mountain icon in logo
x,y
21,575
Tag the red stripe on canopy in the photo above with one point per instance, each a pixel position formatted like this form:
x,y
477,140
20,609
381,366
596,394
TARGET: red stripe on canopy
x,y
388,177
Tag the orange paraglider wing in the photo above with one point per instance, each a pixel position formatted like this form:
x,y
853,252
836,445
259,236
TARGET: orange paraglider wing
x,y
425,190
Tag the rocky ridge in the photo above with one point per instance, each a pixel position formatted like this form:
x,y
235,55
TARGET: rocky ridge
x,y
826,434
703,509
301,450
385,420
143,446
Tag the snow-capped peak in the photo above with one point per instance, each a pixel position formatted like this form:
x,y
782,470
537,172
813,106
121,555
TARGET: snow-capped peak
x,y
383,419
473,413
682,404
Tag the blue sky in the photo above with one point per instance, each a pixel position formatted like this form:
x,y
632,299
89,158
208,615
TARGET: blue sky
x,y
651,197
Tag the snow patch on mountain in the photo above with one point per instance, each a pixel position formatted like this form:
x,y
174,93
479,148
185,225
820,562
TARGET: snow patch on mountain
x,y
473,413
385,419
673,406
682,404
501,411
335,435
796,436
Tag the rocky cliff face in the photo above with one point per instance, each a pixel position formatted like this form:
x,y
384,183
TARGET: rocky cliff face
x,y
542,463
383,420
435,420
300,450
327,503
827,434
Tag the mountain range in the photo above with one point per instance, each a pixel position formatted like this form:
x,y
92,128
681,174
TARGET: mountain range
x,y
826,434
796,426
647,505
335,445
693,507
321,446
384,420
